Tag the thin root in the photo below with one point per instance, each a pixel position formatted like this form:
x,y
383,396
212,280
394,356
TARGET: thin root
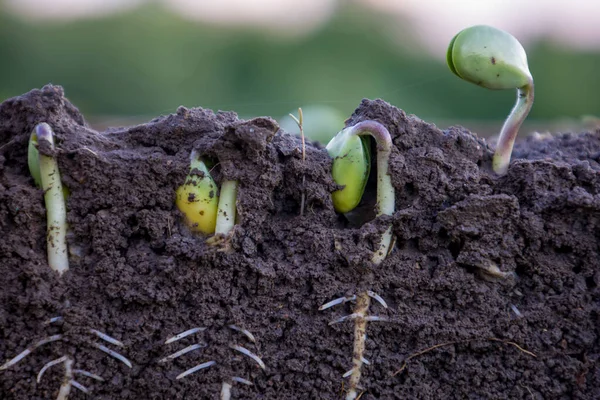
x,y
207,364
345,318
377,297
427,350
107,338
244,331
248,353
182,352
181,335
29,350
339,300
49,365
113,354
242,381
88,374
79,386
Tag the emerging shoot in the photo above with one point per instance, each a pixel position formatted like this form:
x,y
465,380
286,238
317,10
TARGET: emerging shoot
x,y
227,208
351,164
197,198
494,59
44,170
300,122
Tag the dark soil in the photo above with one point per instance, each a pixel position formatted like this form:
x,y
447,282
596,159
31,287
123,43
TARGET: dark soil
x,y
139,275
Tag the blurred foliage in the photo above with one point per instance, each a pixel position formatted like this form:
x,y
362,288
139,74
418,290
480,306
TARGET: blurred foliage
x,y
149,61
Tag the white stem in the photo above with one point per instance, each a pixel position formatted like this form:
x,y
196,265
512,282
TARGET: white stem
x,y
385,191
56,210
226,391
510,129
227,207
65,387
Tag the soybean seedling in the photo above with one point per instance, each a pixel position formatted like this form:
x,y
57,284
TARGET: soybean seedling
x,y
494,59
351,165
205,210
44,170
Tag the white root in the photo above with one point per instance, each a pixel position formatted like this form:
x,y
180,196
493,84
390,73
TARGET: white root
x,y
29,350
516,311
113,354
107,338
88,374
79,386
377,297
337,301
183,334
207,364
53,320
248,353
182,352
244,331
344,318
376,318
48,365
242,381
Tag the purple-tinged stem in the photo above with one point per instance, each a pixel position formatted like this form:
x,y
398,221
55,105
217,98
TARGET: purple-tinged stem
x,y
510,129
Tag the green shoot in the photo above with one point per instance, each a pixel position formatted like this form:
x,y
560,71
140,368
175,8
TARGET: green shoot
x,y
494,59
227,208
351,168
300,122
56,210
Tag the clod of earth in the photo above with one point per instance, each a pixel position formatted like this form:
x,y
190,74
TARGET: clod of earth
x,y
141,276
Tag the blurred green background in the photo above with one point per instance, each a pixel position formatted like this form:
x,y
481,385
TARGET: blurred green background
x,y
127,67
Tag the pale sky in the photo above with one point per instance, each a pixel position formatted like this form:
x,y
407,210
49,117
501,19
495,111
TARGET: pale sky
x,y
572,22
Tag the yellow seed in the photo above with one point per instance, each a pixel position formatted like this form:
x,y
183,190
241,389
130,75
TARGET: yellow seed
x,y
197,198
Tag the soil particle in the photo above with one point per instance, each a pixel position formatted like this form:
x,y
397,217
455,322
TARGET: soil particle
x,y
139,275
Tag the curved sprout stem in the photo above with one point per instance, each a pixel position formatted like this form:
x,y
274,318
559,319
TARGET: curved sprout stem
x,y
508,134
385,190
56,210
